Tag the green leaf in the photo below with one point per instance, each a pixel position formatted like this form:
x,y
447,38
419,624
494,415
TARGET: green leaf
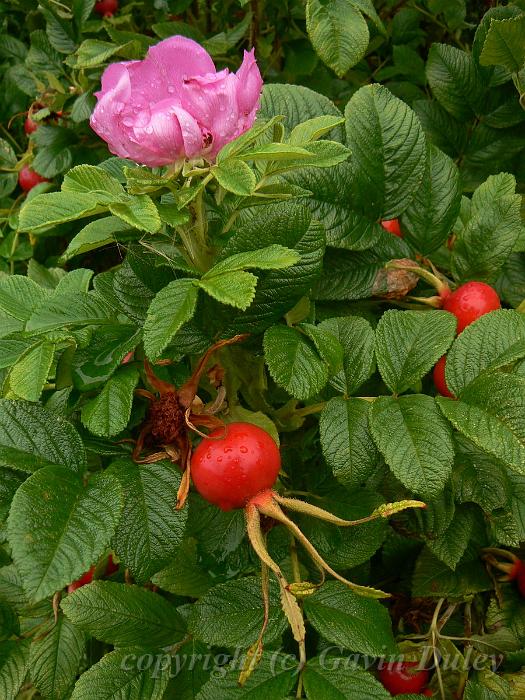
x,y
8,159
125,674
20,296
96,234
108,413
492,229
346,440
55,658
95,181
276,151
9,622
91,53
388,151
432,578
94,364
450,545
231,614
454,80
72,309
297,103
338,32
409,343
350,620
234,288
491,413
32,437
139,211
170,309
185,575
293,362
30,373
150,530
479,478
14,665
123,615
334,678
235,176
357,339
414,440
58,527
273,679
504,44
46,210
429,219
313,129
494,340
326,344
273,257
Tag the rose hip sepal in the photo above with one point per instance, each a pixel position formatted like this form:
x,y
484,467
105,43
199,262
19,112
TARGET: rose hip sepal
x,y
404,677
174,105
513,569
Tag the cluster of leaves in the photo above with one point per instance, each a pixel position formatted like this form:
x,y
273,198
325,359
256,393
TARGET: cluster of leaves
x,y
279,239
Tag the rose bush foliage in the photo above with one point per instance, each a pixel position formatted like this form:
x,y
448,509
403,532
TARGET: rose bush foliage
x,y
199,266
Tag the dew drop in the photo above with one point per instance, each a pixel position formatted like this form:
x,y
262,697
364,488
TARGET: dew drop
x,y
243,449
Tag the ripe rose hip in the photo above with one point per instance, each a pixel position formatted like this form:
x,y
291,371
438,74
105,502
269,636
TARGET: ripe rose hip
x,y
82,581
27,178
404,677
471,301
392,225
30,126
234,464
439,378
106,8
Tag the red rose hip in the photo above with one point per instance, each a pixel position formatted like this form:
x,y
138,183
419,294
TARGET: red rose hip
x,y
439,378
30,126
106,8
392,225
27,178
82,581
471,301
235,463
404,677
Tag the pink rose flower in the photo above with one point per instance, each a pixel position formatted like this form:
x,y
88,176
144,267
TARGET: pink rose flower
x,y
174,104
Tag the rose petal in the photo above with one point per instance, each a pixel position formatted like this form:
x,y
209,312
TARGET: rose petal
x,y
250,84
212,100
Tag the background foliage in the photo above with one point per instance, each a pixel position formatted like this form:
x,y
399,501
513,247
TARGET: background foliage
x,y
418,115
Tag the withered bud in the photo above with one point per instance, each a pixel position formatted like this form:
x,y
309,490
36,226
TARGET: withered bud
x,y
395,283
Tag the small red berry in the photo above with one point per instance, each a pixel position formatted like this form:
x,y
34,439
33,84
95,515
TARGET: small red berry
x,y
471,301
127,358
428,693
106,8
30,126
404,677
234,464
27,178
439,378
82,581
392,225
